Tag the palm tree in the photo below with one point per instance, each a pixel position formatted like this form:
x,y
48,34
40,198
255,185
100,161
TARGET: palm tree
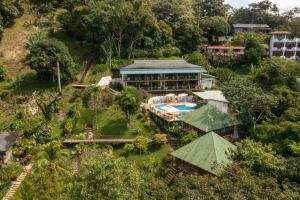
x,y
54,158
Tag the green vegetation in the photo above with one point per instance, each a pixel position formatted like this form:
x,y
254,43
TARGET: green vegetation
x,y
45,56
129,102
92,39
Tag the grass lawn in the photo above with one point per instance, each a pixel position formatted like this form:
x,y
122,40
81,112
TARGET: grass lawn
x,y
94,75
156,156
111,123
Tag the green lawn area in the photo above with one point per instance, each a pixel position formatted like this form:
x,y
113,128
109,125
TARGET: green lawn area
x,y
112,124
152,156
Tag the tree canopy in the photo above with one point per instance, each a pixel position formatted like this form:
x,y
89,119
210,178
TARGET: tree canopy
x,y
45,56
103,176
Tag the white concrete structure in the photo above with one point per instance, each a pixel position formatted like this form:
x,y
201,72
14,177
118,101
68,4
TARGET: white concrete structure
x,y
214,98
281,45
104,82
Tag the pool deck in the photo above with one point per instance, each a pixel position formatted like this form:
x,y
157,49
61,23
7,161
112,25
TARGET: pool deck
x,y
169,117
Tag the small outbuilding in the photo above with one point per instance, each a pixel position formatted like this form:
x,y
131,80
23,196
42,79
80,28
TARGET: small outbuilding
x,y
209,153
209,118
214,98
7,140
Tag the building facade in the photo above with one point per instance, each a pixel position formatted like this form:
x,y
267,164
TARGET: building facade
x,y
282,45
254,28
225,50
163,75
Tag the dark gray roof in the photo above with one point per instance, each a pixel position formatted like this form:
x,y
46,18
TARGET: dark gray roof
x,y
251,26
7,140
160,64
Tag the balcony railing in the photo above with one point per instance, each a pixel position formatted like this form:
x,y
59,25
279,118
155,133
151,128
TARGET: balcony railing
x,y
169,88
162,78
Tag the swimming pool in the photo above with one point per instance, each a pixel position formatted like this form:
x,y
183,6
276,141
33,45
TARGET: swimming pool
x,y
175,108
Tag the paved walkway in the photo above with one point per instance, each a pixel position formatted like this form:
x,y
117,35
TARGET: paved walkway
x,y
16,184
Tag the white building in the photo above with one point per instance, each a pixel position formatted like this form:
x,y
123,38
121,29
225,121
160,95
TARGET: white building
x,y
248,28
214,98
282,45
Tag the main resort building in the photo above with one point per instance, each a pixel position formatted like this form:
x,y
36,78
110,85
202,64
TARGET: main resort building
x,y
165,75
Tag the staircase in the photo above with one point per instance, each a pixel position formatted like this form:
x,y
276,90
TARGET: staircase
x,y
171,175
16,184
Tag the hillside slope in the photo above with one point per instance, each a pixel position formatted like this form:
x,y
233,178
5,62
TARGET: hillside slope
x,y
12,46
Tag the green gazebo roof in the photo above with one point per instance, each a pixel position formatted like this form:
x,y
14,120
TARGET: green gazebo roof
x,y
208,152
209,118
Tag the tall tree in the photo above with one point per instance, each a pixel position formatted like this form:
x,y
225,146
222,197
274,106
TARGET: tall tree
x,y
252,103
254,52
210,8
103,176
46,55
129,101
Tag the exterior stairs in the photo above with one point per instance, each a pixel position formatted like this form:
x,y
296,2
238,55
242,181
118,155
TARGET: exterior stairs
x,y
16,184
171,175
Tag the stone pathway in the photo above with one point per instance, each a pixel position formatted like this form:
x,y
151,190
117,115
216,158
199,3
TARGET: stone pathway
x,y
16,184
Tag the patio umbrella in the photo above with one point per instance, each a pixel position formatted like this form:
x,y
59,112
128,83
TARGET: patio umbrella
x,y
182,95
170,95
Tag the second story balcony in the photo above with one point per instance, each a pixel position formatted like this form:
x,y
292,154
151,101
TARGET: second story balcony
x,y
171,77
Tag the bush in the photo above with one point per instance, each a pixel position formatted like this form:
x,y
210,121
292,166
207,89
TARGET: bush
x,y
197,58
187,138
241,38
25,149
68,125
9,173
100,68
169,50
128,148
160,139
117,86
141,144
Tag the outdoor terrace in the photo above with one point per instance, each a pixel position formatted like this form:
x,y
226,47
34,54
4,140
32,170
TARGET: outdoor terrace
x,y
170,103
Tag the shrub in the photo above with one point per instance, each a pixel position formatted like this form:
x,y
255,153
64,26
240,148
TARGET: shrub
x,y
141,144
100,68
128,148
241,38
117,86
169,50
187,138
25,149
9,173
68,125
197,58
160,139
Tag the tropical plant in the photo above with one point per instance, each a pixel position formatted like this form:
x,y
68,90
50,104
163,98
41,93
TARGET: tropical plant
x,y
34,39
141,144
129,102
47,102
3,72
45,57
104,176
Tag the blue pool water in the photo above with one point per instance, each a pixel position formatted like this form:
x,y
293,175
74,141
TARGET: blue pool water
x,y
183,107
178,107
